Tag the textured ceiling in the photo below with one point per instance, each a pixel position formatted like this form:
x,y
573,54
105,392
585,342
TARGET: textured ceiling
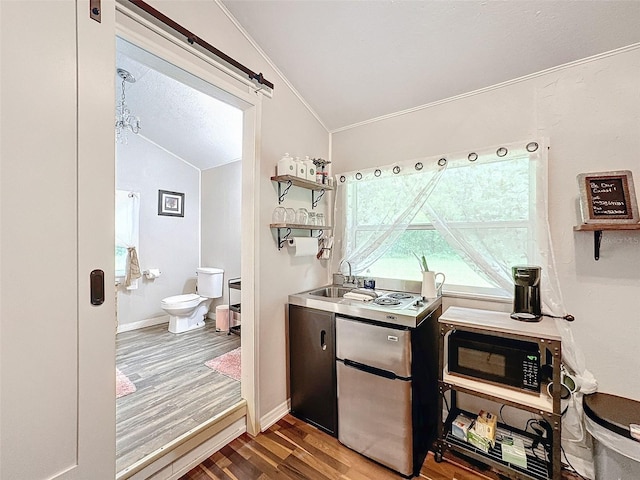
x,y
356,60
185,121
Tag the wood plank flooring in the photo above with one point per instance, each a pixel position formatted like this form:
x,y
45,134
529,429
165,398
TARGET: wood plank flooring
x,y
294,450
175,392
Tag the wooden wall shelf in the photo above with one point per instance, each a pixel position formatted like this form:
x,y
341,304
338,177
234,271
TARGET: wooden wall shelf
x,y
598,228
290,180
292,226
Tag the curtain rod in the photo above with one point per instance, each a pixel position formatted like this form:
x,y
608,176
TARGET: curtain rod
x,y
194,39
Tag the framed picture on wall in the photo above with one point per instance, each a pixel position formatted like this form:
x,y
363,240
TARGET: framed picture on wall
x,y
170,203
608,197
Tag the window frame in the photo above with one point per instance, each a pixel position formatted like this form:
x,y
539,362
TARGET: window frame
x,y
536,174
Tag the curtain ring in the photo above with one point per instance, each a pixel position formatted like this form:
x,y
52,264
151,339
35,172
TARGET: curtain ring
x,y
472,157
378,172
501,152
358,176
532,146
396,169
442,162
419,166
342,179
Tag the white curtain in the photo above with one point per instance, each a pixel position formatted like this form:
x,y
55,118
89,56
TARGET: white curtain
x,y
490,232
402,189
128,236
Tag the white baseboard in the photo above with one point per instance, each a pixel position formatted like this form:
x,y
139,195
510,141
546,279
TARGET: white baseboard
x,y
149,322
274,415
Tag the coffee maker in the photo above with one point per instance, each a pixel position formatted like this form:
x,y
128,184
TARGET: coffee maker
x,y
526,301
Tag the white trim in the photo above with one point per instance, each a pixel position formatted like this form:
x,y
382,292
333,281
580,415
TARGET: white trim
x,y
480,296
184,463
168,34
149,322
249,268
208,448
274,415
271,64
128,28
492,87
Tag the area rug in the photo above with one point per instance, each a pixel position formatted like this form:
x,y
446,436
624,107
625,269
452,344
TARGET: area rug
x,y
124,386
227,364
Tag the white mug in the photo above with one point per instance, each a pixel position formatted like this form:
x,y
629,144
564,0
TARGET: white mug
x,y
429,287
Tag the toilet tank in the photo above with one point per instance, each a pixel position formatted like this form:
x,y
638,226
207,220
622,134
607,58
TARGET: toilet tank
x,y
210,282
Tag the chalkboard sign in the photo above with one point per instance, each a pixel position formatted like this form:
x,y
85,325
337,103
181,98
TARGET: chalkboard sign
x,y
608,197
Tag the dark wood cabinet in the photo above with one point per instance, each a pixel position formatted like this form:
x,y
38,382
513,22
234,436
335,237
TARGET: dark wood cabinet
x,y
312,367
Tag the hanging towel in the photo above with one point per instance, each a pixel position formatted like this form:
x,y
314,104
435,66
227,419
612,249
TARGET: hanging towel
x,y
133,269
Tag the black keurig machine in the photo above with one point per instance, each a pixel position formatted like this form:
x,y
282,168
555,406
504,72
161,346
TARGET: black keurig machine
x,y
526,301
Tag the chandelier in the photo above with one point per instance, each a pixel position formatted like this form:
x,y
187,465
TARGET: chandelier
x,y
125,120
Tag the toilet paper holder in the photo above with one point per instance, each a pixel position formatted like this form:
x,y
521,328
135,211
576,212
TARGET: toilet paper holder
x,y
152,273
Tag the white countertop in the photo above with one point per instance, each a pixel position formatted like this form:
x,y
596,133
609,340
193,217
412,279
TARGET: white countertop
x,y
500,322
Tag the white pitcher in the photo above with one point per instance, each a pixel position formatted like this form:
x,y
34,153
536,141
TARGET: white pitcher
x,y
431,289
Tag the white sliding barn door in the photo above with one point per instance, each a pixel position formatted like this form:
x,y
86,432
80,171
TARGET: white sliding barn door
x,y
57,350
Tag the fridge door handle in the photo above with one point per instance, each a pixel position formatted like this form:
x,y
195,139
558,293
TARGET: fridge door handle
x,y
323,339
369,369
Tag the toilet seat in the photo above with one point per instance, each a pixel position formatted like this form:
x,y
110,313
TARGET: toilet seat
x,y
182,301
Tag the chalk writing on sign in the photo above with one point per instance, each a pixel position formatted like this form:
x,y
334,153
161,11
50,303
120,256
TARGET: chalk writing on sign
x,y
608,198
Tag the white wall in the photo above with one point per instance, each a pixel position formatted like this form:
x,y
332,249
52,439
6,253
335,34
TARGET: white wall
x,y
591,114
168,243
221,223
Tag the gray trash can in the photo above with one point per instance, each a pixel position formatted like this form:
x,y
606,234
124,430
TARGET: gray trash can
x,y
616,453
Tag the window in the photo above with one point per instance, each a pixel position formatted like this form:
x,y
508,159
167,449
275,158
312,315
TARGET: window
x,y
127,227
476,220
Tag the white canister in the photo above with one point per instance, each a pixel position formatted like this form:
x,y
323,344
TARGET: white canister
x,y
286,166
301,168
311,169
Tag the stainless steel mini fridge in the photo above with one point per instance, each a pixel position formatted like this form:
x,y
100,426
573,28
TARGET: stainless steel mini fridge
x,y
375,392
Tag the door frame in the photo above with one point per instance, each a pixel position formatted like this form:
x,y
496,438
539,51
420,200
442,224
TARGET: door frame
x,y
142,33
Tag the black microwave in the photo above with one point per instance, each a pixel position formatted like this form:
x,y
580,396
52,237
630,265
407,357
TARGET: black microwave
x,y
505,361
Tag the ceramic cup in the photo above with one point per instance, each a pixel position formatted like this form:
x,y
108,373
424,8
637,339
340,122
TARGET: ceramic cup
x,y
431,289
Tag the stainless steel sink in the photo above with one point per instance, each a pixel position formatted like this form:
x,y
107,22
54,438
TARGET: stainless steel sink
x,y
330,292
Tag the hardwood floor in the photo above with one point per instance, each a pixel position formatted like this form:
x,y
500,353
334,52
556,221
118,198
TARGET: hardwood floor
x,y
175,390
294,450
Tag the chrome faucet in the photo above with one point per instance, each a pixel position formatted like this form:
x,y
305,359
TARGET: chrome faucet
x,y
349,280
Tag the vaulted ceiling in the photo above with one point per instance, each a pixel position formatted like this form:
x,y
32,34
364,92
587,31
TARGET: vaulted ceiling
x,y
178,112
355,60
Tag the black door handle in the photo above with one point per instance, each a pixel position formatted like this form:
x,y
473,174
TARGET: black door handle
x,y
323,341
96,279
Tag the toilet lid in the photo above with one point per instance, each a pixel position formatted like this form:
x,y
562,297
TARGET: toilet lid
x,y
176,299
612,412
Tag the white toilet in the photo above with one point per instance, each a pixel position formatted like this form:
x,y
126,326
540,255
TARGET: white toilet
x,y
187,312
